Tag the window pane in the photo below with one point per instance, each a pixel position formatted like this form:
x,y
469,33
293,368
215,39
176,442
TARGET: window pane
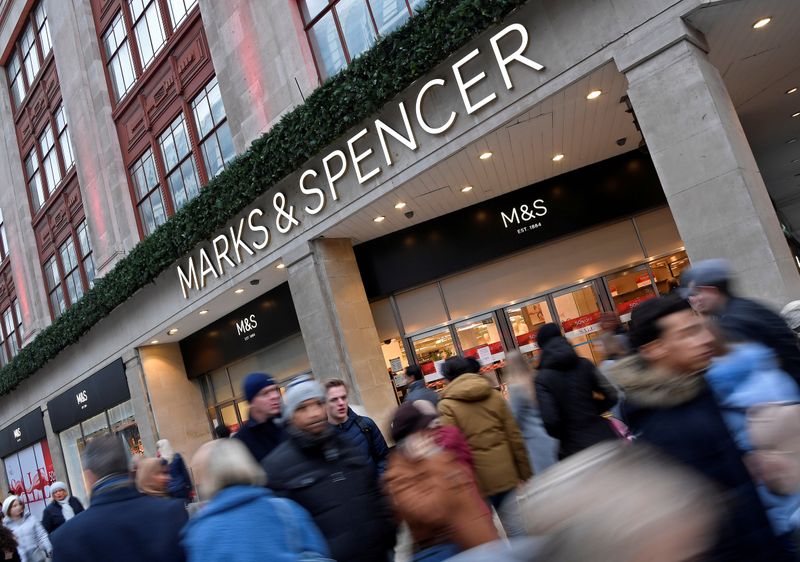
x,y
43,29
64,140
120,64
416,4
149,30
20,329
51,169
389,14
83,239
35,185
178,9
58,302
15,75
88,267
174,143
324,40
30,56
152,212
202,116
356,26
212,156
3,239
312,7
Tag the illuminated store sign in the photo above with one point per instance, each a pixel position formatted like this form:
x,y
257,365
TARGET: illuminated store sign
x,y
228,250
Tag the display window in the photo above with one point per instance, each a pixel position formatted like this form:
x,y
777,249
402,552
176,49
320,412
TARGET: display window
x,y
480,338
526,319
30,473
432,350
579,313
629,289
667,271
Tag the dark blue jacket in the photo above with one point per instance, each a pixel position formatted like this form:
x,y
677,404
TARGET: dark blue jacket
x,y
53,518
180,483
122,525
418,390
249,524
261,438
369,440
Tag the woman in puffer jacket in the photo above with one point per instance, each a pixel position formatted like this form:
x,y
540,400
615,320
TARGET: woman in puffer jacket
x,y
34,544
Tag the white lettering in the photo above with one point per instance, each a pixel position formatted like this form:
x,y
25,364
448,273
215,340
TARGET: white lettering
x,y
312,191
539,206
188,281
82,397
206,267
333,177
421,120
516,55
409,142
18,433
222,255
245,325
237,242
509,220
258,228
464,86
358,158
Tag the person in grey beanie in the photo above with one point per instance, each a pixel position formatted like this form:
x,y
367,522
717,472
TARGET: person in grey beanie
x,y
329,476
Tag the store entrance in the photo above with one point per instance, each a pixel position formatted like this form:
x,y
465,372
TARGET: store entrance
x,y
579,311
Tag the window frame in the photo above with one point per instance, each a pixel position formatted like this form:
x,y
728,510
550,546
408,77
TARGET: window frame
x,y
4,249
18,53
215,128
63,274
9,350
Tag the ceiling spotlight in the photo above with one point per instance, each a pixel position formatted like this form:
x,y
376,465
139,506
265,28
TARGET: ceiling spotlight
x,y
795,161
558,158
466,189
153,342
281,266
239,291
791,90
172,331
400,205
202,312
791,140
379,218
485,155
761,23
594,94
796,114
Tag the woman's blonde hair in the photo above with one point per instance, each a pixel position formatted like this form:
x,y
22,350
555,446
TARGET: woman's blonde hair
x,y
224,463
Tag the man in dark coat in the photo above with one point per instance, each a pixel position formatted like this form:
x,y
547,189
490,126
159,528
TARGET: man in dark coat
x,y
61,509
263,432
121,524
571,394
668,404
708,286
330,477
360,430
417,389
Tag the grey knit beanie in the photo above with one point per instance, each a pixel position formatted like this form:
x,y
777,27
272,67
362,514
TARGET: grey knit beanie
x,y
298,392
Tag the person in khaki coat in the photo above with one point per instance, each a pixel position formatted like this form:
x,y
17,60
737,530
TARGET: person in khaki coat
x,y
470,403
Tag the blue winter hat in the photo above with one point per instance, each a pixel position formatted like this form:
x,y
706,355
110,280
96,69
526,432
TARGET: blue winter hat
x,y
255,383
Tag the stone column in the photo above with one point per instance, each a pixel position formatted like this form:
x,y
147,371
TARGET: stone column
x,y
54,443
263,61
337,325
706,167
140,399
101,173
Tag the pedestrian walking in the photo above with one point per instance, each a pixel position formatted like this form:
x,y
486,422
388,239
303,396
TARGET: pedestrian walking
x,y
572,395
242,521
417,387
331,478
361,430
120,524
263,432
8,545
433,491
33,543
470,403
542,449
180,483
669,405
152,477
63,507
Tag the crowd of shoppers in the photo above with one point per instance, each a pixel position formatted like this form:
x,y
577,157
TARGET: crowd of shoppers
x,y
704,381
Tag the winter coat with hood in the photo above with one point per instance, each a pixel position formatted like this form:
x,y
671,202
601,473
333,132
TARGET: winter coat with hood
x,y
261,438
53,516
749,375
418,390
249,524
369,439
331,478
498,449
571,398
678,414
32,540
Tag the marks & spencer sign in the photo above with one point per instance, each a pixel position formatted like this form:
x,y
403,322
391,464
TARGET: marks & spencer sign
x,y
21,433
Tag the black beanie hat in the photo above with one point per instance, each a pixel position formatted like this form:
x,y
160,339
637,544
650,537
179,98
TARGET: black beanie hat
x,y
547,332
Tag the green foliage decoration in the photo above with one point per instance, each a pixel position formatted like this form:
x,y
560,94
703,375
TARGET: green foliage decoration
x,y
435,32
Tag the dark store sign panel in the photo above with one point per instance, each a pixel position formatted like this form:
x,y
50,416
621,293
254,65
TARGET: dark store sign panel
x,y
23,432
105,389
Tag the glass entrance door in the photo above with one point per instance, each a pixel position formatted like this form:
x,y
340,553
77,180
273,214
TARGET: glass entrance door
x,y
629,289
526,319
579,311
432,349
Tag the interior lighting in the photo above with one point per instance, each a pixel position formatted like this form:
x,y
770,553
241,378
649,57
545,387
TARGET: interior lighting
x,y
761,23
594,94
400,205
466,189
239,291
281,266
796,114
485,155
791,140
791,90
172,331
379,218
202,312
558,157
153,342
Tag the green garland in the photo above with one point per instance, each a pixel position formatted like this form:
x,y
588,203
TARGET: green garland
x,y
359,91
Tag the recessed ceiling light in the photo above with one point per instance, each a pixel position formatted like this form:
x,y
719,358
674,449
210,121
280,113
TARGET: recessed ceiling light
x,y
281,266
558,157
761,23
239,291
202,312
796,114
791,140
172,331
466,189
795,161
594,94
400,205
791,90
153,342
379,218
485,155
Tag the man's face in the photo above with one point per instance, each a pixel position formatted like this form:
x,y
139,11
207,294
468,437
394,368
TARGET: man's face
x,y
310,416
707,300
336,400
686,345
59,495
267,403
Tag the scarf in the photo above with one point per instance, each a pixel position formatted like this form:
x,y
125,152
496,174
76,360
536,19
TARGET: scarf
x,y
66,508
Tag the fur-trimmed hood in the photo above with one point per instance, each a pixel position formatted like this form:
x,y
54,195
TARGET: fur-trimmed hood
x,y
649,387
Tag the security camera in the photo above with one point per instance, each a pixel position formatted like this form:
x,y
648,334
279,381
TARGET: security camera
x,y
622,141
254,282
409,214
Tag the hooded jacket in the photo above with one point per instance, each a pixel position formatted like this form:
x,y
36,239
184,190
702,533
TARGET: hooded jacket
x,y
571,398
249,524
369,439
746,376
34,546
678,414
418,390
53,516
498,449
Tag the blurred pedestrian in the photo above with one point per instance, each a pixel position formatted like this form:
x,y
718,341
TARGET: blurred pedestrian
x,y
152,477
572,394
8,545
669,405
120,524
63,507
180,483
470,403
417,387
710,293
263,432
329,476
791,314
242,521
361,430
33,543
433,491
